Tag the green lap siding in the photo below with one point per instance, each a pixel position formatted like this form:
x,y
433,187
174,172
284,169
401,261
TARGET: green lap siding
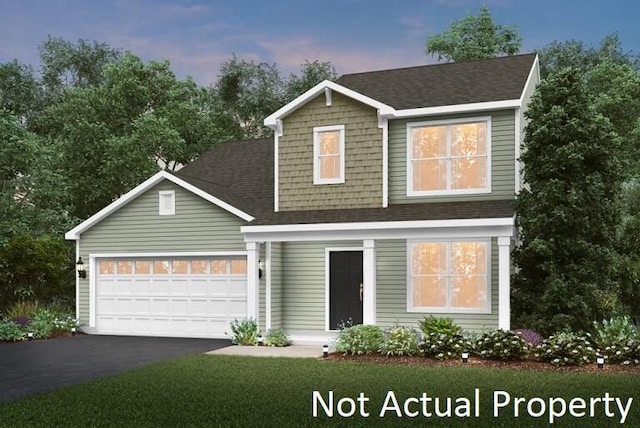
x,y
303,293
198,225
391,290
276,285
502,159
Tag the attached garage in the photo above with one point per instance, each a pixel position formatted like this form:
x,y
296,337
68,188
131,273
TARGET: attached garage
x,y
169,296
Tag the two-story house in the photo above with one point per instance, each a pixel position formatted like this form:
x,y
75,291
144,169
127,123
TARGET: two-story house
x,y
381,198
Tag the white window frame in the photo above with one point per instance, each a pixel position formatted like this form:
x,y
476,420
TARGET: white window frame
x,y
409,165
316,153
170,208
447,309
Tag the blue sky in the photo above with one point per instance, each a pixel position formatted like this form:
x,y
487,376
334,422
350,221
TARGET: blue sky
x,y
355,35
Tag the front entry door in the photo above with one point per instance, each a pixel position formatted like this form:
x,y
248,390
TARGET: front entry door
x,y
345,288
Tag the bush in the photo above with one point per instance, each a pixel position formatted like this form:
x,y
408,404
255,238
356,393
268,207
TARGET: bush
x,y
435,325
613,332
22,308
532,337
10,331
444,346
359,339
39,268
501,345
276,337
565,348
400,341
244,332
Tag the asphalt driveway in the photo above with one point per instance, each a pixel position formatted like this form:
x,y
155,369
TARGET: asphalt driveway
x,y
29,368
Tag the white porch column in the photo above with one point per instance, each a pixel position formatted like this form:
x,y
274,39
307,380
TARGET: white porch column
x,y
369,282
504,282
253,282
267,290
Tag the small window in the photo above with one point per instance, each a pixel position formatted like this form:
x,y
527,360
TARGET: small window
x,y
219,267
161,267
107,267
125,267
199,267
167,202
239,267
143,267
179,267
328,154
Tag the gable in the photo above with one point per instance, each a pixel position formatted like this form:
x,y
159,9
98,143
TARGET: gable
x,y
140,190
362,157
196,225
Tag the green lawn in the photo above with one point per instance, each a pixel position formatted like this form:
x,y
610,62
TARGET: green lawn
x,y
212,391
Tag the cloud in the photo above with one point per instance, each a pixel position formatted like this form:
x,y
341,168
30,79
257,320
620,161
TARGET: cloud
x,y
290,52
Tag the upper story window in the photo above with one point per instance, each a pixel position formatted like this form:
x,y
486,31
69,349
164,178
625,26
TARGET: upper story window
x,y
167,202
449,157
328,154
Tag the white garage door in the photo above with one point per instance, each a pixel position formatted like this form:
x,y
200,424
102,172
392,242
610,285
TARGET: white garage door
x,y
177,297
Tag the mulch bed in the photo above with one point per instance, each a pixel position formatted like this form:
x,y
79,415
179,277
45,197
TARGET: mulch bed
x,y
477,362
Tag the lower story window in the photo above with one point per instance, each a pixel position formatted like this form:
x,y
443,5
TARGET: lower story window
x,y
452,276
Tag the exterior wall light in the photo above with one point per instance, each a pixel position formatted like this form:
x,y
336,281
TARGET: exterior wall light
x,y
260,268
82,273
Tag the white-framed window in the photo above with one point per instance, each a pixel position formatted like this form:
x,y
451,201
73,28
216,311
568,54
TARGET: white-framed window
x,y
328,154
449,276
449,157
167,202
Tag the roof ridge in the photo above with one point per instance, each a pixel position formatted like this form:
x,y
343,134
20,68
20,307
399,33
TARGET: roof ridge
x,y
438,64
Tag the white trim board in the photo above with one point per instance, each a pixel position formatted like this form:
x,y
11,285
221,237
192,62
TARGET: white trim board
x,y
74,233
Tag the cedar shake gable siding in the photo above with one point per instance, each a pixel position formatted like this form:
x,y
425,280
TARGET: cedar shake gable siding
x,y
363,156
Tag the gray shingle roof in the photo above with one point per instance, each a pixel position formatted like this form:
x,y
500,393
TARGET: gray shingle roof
x,y
241,172
400,212
238,172
495,79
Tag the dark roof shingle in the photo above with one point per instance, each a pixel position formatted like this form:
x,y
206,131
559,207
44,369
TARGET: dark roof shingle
x,y
238,172
495,79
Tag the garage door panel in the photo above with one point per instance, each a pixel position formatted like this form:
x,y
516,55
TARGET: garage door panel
x,y
200,303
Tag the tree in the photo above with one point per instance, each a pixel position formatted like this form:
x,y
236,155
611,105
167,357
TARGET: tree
x,y
568,212
311,73
250,92
20,91
115,134
474,37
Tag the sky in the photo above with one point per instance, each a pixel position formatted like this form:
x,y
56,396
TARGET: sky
x,y
354,35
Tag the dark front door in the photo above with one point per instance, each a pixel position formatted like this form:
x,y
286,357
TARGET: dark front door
x,y
345,288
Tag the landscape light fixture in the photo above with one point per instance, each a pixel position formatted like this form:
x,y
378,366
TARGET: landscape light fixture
x,y
82,273
600,361
325,351
465,357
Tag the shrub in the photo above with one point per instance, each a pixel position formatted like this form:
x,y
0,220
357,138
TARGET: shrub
x,y
435,325
276,337
22,321
244,332
22,308
501,345
399,341
10,331
359,339
565,348
444,346
530,336
612,332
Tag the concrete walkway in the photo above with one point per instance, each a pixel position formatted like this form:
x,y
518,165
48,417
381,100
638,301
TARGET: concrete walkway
x,y
292,351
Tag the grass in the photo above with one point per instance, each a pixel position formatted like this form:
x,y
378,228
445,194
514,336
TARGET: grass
x,y
206,390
